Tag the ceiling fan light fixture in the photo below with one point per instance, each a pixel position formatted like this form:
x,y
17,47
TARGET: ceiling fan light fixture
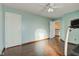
x,y
50,10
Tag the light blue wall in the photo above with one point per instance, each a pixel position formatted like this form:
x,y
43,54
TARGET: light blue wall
x,y
1,29
31,23
65,22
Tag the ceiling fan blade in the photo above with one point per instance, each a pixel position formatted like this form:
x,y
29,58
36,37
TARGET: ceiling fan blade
x,y
45,7
48,4
54,5
57,6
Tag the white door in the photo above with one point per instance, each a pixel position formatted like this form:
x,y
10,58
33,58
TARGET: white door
x,y
12,29
52,29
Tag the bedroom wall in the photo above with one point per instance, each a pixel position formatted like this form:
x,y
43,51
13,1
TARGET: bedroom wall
x,y
65,22
34,27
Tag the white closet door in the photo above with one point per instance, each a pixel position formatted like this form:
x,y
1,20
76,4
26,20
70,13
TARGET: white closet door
x,y
12,29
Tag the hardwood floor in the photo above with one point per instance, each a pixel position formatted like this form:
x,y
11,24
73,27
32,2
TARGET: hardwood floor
x,y
40,48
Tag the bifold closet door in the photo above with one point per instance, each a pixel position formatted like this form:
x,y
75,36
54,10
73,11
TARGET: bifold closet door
x,y
12,29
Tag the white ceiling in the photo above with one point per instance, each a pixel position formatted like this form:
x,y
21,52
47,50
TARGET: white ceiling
x,y
38,8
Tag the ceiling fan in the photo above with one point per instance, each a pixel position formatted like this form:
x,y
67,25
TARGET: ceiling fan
x,y
51,6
